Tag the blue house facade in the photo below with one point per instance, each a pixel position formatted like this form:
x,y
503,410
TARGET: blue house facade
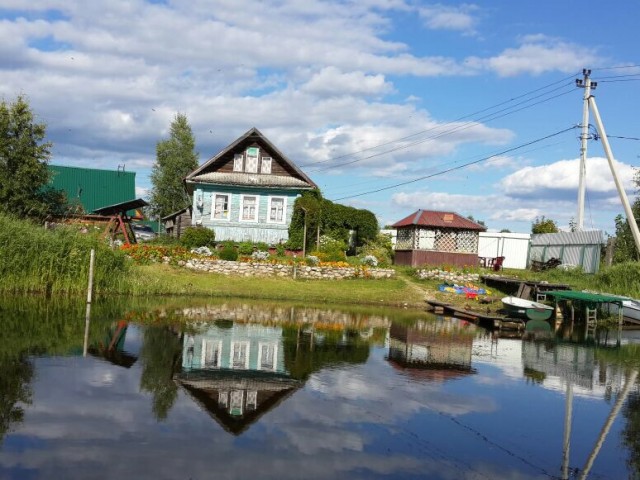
x,y
247,191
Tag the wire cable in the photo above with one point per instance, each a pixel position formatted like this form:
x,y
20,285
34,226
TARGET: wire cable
x,y
447,123
461,127
442,172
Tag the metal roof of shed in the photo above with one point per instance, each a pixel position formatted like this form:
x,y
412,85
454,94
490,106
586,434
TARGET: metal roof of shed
x,y
92,187
434,218
584,296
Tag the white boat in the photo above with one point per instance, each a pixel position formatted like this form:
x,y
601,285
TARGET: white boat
x,y
630,310
528,309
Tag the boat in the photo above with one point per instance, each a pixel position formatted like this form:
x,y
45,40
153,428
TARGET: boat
x,y
519,307
630,310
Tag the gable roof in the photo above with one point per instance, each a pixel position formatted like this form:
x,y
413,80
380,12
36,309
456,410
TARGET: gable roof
x,y
434,218
202,173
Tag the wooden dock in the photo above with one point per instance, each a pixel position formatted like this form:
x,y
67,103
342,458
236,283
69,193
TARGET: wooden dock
x,y
488,321
526,288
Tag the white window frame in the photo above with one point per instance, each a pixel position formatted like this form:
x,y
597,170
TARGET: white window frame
x,y
255,157
203,358
238,162
284,210
246,360
265,165
242,200
213,206
261,347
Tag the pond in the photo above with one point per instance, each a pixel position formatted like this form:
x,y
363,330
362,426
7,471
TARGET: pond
x,y
199,389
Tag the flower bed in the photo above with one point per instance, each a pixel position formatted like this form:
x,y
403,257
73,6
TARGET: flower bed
x,y
254,265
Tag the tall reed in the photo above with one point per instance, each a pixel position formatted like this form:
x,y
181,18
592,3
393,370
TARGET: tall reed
x,y
35,260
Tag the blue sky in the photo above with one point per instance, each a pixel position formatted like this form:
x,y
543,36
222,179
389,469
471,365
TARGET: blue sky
x,y
381,102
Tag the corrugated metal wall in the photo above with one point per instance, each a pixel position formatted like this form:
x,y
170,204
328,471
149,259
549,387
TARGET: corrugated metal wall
x,y
572,248
92,187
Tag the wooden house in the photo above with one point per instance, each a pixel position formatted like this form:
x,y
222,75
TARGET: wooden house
x,y
236,372
428,237
247,191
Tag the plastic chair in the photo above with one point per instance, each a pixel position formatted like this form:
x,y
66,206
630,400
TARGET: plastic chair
x,y
497,263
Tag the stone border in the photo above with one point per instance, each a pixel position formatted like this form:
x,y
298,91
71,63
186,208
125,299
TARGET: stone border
x,y
254,269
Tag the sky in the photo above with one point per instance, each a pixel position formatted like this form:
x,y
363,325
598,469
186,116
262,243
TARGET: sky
x,y
388,105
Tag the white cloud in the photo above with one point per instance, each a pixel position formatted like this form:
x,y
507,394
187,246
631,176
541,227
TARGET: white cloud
x,y
444,17
536,55
562,176
330,80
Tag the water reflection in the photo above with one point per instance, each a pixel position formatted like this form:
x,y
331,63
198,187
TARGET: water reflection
x,y
282,392
432,350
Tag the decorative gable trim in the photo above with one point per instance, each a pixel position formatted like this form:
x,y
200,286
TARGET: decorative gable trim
x,y
258,137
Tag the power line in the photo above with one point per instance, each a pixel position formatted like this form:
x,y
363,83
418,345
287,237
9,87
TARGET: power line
x,y
442,172
447,123
616,68
350,187
464,126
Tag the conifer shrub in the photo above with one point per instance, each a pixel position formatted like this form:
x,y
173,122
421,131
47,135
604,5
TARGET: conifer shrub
x,y
228,252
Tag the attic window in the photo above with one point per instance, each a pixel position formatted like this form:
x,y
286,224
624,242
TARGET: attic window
x,y
237,162
448,217
265,166
251,165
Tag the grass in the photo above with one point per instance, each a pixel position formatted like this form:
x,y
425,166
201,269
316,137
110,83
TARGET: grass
x,y
158,279
35,260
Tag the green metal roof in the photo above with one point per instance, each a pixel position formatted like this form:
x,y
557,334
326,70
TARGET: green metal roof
x,y
92,187
584,296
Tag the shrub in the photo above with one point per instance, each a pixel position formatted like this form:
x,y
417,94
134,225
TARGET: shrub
x,y
194,237
245,248
333,250
381,248
312,260
261,247
369,260
206,251
281,250
228,252
261,256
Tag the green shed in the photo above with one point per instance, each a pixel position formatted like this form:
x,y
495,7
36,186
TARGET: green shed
x,y
92,187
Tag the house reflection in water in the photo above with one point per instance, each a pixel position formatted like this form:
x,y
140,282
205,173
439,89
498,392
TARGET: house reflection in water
x,y
432,350
236,372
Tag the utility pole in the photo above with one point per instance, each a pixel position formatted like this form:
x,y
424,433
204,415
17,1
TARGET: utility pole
x,y
623,195
584,136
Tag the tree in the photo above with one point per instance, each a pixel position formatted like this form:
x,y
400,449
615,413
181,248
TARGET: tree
x,y
544,225
479,222
160,355
175,158
505,230
24,156
333,220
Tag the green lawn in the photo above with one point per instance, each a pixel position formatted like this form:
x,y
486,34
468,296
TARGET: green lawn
x,y
157,279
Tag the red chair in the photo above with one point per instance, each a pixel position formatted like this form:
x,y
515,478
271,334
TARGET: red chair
x,y
497,263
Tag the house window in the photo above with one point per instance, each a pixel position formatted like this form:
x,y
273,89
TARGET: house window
x,y
237,162
220,206
211,353
265,167
267,356
236,401
240,355
251,165
249,209
277,209
252,400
